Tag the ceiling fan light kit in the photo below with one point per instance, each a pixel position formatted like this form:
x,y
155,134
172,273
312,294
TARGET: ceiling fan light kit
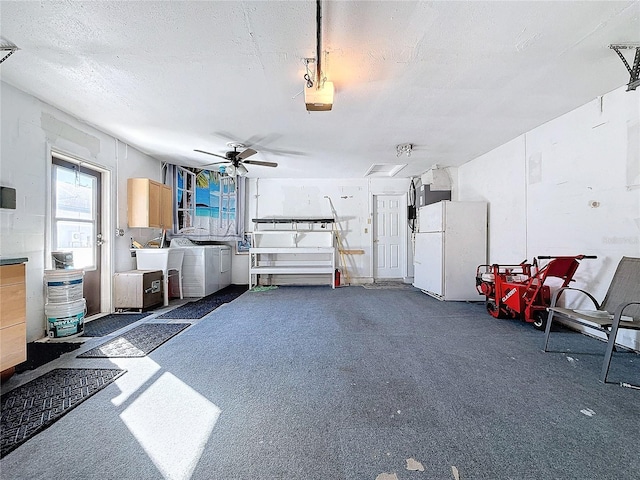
x,y
236,159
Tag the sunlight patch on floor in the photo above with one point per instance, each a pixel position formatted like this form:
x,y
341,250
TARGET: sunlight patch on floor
x,y
145,369
172,422
122,343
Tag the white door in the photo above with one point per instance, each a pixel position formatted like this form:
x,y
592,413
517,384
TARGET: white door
x,y
389,245
76,223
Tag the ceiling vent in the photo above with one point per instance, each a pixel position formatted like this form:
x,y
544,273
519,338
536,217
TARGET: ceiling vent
x,y
384,169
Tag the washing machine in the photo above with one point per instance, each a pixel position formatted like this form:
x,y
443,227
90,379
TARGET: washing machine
x,y
205,268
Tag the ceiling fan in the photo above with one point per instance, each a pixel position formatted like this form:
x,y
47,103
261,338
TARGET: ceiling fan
x,y
237,159
261,143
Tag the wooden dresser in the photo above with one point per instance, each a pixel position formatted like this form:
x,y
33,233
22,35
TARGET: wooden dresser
x,y
13,331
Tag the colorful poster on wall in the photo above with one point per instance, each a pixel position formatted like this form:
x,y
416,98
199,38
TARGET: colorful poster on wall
x,y
206,202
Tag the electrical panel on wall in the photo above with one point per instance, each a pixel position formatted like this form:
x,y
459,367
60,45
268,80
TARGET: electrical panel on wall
x,y
8,198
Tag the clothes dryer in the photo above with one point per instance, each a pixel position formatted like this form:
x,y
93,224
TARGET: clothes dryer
x,y
205,268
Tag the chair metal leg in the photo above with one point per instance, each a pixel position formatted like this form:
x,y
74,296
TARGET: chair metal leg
x,y
611,344
547,330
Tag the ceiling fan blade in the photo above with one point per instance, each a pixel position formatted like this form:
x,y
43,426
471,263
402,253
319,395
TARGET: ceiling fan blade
x,y
209,153
246,154
259,162
215,163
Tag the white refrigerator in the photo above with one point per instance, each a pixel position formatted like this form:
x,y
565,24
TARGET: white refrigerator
x,y
450,244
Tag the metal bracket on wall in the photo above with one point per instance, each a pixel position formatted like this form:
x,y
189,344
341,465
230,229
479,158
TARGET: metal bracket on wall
x,y
634,71
7,48
10,51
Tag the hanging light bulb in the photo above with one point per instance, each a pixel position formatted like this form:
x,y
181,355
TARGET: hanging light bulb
x,y
230,170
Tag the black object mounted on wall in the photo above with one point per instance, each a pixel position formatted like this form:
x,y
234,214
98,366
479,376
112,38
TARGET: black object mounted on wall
x,y
8,198
426,196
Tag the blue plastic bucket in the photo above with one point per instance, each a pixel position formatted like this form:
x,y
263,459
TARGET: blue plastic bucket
x,y
65,319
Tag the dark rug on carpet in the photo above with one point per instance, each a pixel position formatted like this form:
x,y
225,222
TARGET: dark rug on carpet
x,y
110,323
39,353
388,286
137,342
200,308
36,405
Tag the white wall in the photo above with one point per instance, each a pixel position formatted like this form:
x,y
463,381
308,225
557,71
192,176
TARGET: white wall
x,y
498,179
568,187
29,130
306,198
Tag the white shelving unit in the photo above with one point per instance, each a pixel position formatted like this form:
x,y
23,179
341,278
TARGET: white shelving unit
x,y
291,253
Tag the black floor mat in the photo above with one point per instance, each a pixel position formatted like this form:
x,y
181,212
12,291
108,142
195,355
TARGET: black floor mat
x,y
137,342
110,323
36,405
39,353
200,308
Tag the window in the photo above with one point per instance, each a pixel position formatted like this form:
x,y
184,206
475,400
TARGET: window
x,y
226,204
185,195
74,211
206,204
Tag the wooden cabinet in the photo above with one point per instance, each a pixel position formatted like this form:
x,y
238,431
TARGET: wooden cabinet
x,y
149,204
13,330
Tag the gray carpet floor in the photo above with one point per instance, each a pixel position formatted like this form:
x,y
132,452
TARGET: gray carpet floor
x,y
351,383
